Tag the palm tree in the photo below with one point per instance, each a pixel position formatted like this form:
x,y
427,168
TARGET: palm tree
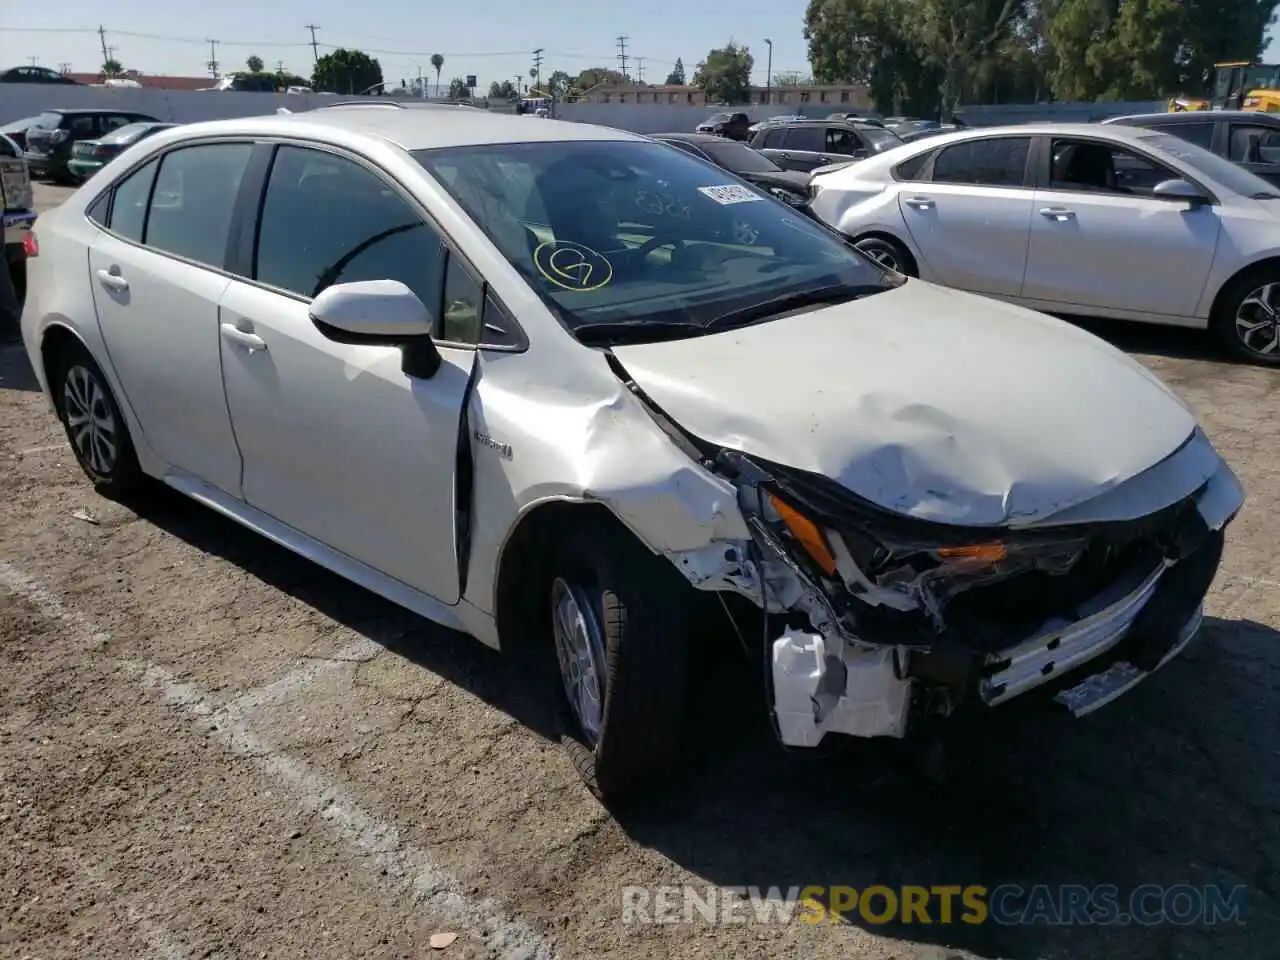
x,y
437,61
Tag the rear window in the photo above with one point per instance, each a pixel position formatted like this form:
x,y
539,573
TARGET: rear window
x,y
719,118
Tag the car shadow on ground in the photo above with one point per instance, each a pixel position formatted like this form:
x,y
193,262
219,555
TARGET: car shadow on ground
x,y
1176,783
1176,343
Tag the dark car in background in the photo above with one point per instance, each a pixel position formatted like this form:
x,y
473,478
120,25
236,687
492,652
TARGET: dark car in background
x,y
770,121
1250,139
743,162
806,145
18,204
16,130
90,156
729,124
37,75
51,138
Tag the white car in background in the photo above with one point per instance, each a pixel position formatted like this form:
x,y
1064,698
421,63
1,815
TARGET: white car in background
x,y
560,385
1084,219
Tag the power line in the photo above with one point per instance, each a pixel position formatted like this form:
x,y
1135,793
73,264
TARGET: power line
x,y
622,54
315,47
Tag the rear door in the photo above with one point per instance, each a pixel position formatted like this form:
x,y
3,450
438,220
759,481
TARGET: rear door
x,y
804,148
970,216
1101,238
157,272
1256,147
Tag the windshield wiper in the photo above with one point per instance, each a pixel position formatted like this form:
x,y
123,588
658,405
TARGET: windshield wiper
x,y
635,331
836,293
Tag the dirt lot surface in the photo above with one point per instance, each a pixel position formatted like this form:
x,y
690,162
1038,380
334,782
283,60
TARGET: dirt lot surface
x,y
211,748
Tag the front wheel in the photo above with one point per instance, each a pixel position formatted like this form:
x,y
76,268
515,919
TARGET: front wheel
x,y
1247,321
888,253
619,626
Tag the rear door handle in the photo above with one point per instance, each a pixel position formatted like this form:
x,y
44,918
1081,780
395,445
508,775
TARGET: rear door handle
x,y
250,341
1058,213
918,203
112,280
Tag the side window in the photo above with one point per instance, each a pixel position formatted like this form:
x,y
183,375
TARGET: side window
x,y
841,141
113,122
129,203
913,169
81,126
499,329
1102,168
327,219
463,303
812,139
195,190
774,139
1253,144
1201,134
997,162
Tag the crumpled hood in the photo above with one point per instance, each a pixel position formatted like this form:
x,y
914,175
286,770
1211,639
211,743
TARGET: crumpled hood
x,y
926,401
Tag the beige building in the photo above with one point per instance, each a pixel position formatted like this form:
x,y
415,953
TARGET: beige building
x,y
850,96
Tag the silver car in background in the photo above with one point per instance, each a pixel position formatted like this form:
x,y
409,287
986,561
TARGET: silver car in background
x,y
1078,219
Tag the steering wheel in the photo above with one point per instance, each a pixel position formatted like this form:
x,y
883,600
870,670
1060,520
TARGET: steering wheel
x,y
656,241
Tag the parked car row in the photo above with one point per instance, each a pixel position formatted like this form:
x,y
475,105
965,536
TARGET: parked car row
x,y
69,145
615,402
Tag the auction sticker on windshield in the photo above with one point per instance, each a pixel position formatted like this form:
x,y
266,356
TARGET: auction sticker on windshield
x,y
730,193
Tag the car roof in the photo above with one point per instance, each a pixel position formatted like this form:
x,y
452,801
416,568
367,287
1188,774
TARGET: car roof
x,y
691,137
422,127
116,110
1110,131
1199,116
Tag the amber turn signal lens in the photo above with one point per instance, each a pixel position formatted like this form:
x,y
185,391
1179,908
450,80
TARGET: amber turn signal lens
x,y
804,530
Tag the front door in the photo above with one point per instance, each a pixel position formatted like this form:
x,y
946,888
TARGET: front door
x,y
1101,238
337,441
157,302
970,217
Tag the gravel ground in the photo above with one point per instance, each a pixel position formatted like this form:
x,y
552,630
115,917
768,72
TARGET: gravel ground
x,y
211,748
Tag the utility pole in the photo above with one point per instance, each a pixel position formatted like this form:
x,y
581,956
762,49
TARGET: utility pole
x,y
64,68
213,59
421,89
537,69
315,47
768,74
519,80
640,69
622,54
34,61
102,37
279,66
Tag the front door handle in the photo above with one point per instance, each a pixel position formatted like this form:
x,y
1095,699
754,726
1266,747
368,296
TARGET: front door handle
x,y
918,203
250,341
112,280
1058,213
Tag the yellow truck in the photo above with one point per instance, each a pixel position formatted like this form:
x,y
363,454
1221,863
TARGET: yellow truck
x,y
1238,85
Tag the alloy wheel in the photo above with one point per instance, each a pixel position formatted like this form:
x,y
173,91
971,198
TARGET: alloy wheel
x,y
1258,322
881,254
90,421
580,652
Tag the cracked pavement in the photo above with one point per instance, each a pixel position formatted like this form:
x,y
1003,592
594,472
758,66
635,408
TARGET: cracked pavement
x,y
212,748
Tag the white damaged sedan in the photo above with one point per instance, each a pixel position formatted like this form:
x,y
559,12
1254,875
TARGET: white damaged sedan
x,y
564,386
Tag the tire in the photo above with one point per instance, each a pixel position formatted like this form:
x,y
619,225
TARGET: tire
x,y
889,253
95,427
635,611
1250,299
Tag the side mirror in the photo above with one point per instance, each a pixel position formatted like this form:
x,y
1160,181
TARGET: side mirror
x,y
1179,189
861,154
379,313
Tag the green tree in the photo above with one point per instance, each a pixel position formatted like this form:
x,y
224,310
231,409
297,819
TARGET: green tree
x,y
676,76
458,89
347,71
112,67
254,64
725,74
503,90
437,63
594,76
961,37
559,83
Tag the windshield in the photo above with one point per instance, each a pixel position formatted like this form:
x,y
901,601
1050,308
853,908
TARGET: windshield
x,y
127,133
47,121
879,138
1234,178
719,118
740,158
635,233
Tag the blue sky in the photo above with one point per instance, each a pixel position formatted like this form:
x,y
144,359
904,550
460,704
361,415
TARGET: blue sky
x,y
493,39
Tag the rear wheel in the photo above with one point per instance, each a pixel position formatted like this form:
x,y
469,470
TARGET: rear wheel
x,y
888,253
93,422
1247,318
619,626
